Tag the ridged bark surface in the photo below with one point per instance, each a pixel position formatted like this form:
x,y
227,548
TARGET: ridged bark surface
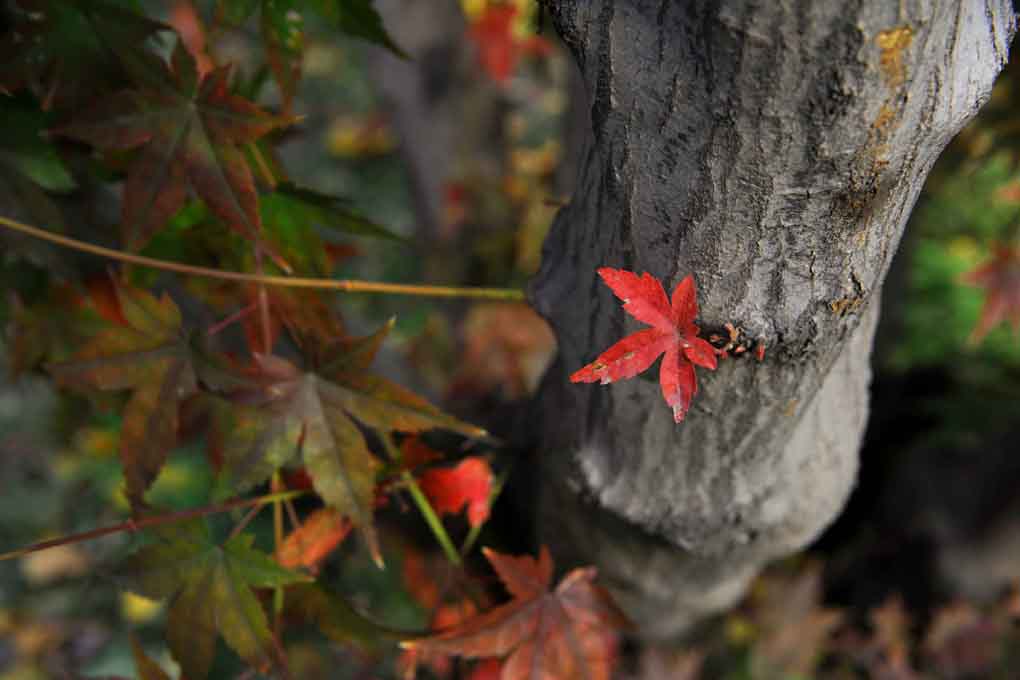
x,y
774,150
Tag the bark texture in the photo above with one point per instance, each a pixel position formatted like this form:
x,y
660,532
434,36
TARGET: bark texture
x,y
774,150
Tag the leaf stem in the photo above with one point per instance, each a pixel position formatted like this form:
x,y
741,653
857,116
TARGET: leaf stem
x,y
343,285
424,506
146,522
431,518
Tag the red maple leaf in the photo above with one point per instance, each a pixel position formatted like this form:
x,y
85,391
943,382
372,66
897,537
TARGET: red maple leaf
x,y
672,332
468,484
568,633
1000,277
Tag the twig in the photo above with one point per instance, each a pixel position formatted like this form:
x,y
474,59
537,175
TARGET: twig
x,y
343,285
146,522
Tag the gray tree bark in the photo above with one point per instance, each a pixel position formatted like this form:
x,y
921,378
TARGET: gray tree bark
x,y
774,150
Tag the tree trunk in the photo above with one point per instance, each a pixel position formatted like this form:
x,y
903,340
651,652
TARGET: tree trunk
x,y
774,150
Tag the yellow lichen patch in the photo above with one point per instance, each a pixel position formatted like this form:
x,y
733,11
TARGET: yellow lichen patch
x,y
886,120
892,44
844,306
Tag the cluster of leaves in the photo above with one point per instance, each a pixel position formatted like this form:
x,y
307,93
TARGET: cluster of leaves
x,y
105,100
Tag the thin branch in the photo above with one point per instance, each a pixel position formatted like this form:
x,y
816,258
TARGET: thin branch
x,y
344,285
146,522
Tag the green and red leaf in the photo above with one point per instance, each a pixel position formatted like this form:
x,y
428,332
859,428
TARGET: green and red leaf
x,y
150,354
187,130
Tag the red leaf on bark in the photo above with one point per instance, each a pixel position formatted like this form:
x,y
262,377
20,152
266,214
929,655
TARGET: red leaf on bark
x,y
1000,277
672,333
564,634
468,484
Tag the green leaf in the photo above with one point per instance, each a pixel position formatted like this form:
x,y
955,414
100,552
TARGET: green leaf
x,y
335,617
65,49
359,19
294,205
151,355
210,590
24,150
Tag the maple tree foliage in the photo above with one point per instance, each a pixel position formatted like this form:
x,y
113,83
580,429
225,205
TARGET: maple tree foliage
x,y
150,353
672,334
564,634
209,585
268,381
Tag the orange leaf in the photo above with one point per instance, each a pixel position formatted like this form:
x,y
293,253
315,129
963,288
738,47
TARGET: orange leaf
x,y
564,634
313,541
468,484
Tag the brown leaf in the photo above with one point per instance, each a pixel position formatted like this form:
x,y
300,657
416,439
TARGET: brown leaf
x,y
563,634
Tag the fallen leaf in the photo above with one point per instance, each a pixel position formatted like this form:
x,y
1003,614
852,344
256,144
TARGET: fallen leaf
x,y
564,634
672,332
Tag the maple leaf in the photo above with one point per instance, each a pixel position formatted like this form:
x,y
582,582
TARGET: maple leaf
x,y
672,333
187,130
564,634
317,411
319,535
64,50
468,484
1000,277
210,590
150,354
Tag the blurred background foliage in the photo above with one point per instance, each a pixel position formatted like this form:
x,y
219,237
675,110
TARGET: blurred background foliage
x,y
917,579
